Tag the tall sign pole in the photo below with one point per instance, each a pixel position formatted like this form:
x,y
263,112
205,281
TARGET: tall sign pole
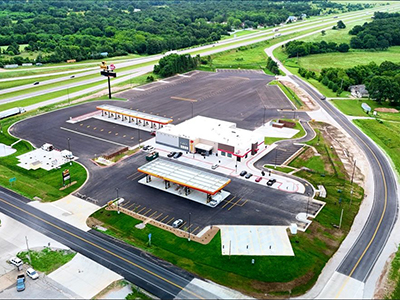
x,y
108,71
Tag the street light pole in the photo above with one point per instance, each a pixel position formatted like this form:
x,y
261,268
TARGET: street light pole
x,y
69,149
276,155
117,199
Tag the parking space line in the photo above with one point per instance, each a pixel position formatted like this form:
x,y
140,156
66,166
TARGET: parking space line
x,y
109,132
133,174
94,128
141,210
229,201
130,206
88,126
147,212
190,226
169,220
137,207
241,204
183,224
124,135
234,204
152,214
136,177
164,218
93,137
102,129
158,216
81,124
195,229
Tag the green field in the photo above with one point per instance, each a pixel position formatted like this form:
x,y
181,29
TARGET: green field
x,y
353,108
312,249
350,59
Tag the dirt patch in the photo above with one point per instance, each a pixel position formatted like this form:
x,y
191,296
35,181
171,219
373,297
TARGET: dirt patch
x,y
385,286
309,103
387,110
92,222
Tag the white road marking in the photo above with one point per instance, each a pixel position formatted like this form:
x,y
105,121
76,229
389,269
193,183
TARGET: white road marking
x,y
93,137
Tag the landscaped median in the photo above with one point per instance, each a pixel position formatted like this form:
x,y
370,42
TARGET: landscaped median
x,y
272,275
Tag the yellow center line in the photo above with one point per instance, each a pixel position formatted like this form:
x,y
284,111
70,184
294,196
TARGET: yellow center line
x,y
229,201
103,249
384,207
234,204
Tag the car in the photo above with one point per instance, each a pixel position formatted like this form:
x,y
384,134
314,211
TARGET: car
x,y
32,273
153,133
20,283
243,173
150,149
16,261
323,98
178,154
146,147
152,155
258,179
248,175
36,83
213,203
171,154
271,182
177,223
214,166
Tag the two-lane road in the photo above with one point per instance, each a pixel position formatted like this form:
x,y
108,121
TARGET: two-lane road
x,y
159,281
362,256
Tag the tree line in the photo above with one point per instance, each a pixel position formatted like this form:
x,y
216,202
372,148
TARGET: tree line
x,y
174,63
301,48
80,30
381,33
382,81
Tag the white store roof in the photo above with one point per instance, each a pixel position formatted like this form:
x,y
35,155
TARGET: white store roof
x,y
134,114
193,178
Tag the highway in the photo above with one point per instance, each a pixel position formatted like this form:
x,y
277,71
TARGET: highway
x,y
126,261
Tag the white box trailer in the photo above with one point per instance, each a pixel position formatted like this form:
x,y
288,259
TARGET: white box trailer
x,y
11,112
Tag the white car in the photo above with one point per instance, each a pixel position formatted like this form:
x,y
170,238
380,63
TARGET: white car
x,y
16,261
32,273
177,223
214,166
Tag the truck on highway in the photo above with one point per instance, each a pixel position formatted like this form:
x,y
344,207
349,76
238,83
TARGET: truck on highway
x,y
20,283
11,112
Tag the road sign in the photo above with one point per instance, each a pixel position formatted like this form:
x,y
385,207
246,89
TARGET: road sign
x,y
108,74
112,67
103,65
12,179
66,175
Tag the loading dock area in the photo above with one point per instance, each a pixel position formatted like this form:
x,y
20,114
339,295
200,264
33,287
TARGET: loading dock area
x,y
190,183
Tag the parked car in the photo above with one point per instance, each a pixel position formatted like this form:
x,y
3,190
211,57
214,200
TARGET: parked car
x,y
146,147
178,154
153,133
150,149
177,223
32,273
152,155
258,179
243,173
271,182
248,175
171,154
16,261
323,98
214,166
20,283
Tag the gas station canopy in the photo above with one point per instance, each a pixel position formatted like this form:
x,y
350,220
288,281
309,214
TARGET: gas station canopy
x,y
134,114
186,176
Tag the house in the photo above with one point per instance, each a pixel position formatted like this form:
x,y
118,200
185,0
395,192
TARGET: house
x,y
359,91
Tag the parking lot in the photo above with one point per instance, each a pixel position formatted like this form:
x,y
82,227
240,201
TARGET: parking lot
x,y
232,96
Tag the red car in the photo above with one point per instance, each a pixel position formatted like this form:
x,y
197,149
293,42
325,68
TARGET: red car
x,y
258,179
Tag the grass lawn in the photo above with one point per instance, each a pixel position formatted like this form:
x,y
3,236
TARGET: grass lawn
x,y
34,183
317,62
291,95
394,277
47,260
386,135
312,249
280,169
353,108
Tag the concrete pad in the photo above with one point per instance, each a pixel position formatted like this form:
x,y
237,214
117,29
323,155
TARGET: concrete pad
x,y
342,287
12,241
84,277
6,150
48,159
195,195
255,240
270,131
118,293
209,290
70,209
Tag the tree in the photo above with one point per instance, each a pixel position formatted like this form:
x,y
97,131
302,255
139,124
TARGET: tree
x,y
341,25
323,32
343,47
